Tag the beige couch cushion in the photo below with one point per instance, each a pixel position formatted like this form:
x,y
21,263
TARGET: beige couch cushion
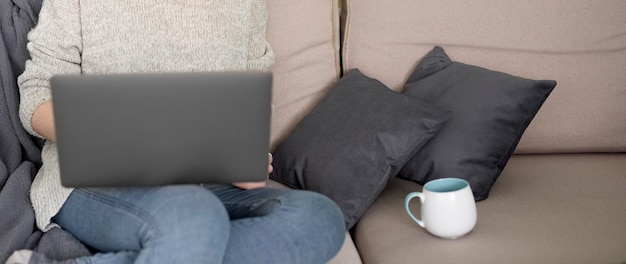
x,y
305,38
544,209
581,44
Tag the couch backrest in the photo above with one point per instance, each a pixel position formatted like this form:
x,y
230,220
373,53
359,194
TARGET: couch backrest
x,y
305,37
579,43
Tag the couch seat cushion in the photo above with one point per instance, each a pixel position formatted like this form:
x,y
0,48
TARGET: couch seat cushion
x,y
566,208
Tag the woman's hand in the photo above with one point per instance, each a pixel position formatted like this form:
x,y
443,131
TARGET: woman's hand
x,y
253,185
249,185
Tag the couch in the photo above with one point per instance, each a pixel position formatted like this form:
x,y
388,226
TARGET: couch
x,y
561,196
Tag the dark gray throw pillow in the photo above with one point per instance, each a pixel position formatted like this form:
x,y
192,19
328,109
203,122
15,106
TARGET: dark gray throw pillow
x,y
490,112
356,139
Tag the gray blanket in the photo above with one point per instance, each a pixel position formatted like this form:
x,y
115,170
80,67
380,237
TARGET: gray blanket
x,y
20,152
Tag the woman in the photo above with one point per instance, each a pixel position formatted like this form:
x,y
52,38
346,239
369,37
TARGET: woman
x,y
170,224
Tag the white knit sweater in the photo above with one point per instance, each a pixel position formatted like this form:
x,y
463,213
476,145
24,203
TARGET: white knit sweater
x,y
95,36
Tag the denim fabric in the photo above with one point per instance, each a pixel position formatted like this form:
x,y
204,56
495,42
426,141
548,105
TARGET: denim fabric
x,y
203,224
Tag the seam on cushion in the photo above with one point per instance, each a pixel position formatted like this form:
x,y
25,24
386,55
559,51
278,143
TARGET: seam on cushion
x,y
346,33
336,36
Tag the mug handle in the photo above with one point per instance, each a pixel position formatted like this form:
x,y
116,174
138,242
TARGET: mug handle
x,y
407,200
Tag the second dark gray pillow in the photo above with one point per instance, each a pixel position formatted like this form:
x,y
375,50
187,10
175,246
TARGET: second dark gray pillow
x,y
490,112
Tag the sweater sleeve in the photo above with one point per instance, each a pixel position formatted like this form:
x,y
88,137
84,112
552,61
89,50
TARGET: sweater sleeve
x,y
55,47
260,53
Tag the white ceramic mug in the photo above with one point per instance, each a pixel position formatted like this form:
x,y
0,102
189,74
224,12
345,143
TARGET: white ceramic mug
x,y
447,206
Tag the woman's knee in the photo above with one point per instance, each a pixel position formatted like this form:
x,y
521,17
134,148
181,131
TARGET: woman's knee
x,y
319,220
191,208
190,221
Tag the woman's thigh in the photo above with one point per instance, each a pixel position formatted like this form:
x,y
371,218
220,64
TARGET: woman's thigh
x,y
170,223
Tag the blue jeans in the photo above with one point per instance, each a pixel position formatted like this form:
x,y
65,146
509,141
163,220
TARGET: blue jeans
x,y
203,224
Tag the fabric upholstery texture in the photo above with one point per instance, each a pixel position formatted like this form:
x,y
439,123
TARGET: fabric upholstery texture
x,y
490,112
579,44
548,205
546,209
354,142
307,58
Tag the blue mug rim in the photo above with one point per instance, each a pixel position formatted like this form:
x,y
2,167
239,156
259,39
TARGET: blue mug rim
x,y
445,185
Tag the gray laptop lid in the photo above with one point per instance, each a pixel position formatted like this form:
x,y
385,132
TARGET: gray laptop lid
x,y
156,129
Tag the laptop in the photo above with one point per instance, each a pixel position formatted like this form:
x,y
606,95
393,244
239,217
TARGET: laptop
x,y
156,129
